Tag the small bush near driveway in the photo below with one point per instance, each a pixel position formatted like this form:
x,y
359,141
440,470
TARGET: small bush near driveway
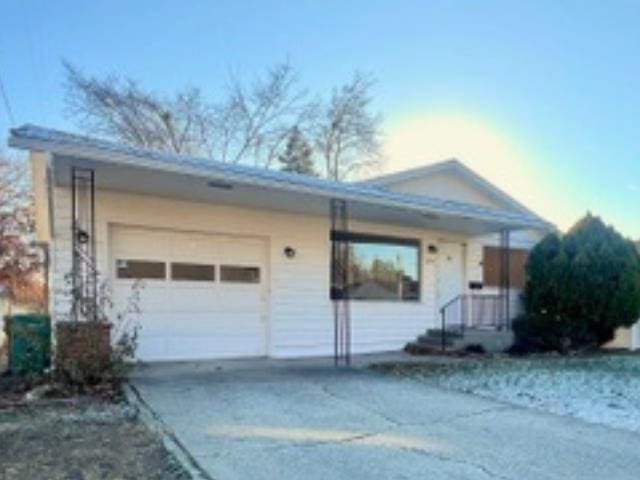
x,y
96,344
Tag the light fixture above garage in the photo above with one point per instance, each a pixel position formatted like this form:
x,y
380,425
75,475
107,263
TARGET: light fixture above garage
x,y
289,252
220,185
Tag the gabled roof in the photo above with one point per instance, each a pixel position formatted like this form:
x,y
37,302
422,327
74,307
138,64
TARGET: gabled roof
x,y
60,143
452,165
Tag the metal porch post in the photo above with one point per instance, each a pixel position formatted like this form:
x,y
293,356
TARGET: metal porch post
x,y
84,274
340,282
505,276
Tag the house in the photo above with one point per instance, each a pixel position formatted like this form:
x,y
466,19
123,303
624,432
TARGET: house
x,y
239,261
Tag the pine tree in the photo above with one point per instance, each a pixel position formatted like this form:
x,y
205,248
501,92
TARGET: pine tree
x,y
297,156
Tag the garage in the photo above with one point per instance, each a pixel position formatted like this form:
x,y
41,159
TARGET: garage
x,y
202,296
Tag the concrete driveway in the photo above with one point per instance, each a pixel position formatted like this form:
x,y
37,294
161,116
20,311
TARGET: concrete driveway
x,y
307,420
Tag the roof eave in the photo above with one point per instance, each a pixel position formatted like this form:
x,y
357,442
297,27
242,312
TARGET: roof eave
x,y
453,164
506,220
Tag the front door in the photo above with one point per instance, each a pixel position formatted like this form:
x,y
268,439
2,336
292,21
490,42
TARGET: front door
x,y
450,276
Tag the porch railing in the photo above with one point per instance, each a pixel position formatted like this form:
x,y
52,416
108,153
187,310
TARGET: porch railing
x,y
474,311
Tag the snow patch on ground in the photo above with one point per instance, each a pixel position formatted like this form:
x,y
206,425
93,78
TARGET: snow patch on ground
x,y
602,389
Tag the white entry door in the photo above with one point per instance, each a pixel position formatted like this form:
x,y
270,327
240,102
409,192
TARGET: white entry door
x,y
450,276
202,296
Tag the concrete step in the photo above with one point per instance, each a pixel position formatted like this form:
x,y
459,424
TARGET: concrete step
x,y
433,339
494,341
434,334
437,332
415,348
491,341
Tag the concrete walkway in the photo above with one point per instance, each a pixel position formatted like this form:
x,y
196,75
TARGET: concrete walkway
x,y
307,420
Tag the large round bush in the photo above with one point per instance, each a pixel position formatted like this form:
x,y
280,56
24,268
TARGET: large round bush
x,y
580,288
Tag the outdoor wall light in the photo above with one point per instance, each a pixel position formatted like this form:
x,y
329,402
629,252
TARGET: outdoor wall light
x,y
432,249
289,252
82,237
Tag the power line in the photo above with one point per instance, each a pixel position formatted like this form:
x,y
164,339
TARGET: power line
x,y
7,105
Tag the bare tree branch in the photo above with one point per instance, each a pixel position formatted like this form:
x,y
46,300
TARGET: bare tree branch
x,y
119,109
251,124
259,117
347,133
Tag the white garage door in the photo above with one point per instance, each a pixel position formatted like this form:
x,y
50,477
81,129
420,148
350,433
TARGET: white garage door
x,y
203,296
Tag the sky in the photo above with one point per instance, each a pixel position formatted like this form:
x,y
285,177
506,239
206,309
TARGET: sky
x,y
540,97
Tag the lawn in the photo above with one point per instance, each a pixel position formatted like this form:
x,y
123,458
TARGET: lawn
x,y
602,388
85,441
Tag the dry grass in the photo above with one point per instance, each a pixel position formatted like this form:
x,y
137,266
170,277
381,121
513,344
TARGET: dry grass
x,y
88,441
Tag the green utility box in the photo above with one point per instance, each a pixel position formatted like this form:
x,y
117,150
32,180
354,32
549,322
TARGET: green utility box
x,y
29,343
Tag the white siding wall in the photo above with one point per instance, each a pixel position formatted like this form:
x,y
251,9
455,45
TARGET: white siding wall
x,y
624,338
300,314
61,253
445,185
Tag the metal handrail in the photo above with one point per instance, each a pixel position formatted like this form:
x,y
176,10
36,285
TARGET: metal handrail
x,y
468,313
451,302
443,331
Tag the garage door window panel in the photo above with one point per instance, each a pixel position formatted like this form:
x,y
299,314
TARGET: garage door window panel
x,y
141,269
239,274
194,272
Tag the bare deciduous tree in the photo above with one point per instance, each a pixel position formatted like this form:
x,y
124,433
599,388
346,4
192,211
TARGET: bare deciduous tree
x,y
251,125
118,108
348,134
258,118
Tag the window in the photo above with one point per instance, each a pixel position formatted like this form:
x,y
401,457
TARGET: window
x,y
236,274
492,267
194,272
378,268
141,269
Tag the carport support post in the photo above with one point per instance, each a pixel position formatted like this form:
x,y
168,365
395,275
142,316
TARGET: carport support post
x,y
84,275
339,282
505,277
